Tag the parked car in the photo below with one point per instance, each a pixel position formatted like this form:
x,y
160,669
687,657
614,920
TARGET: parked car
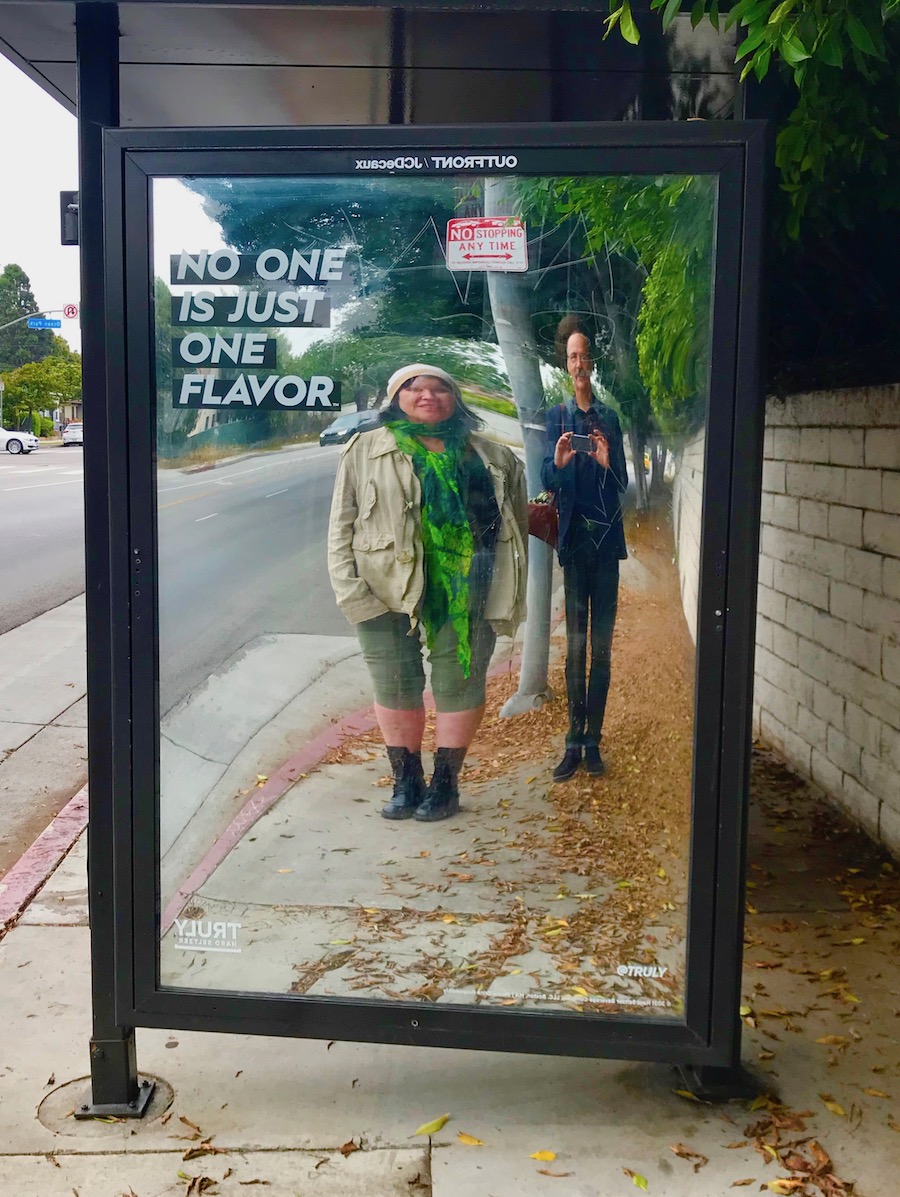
x,y
73,433
340,430
18,442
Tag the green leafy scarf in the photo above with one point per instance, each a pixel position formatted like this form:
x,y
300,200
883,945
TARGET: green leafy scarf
x,y
447,537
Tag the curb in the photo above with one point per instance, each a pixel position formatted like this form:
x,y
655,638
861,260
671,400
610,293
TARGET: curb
x,y
265,797
37,863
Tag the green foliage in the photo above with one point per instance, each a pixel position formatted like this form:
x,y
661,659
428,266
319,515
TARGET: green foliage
x,y
395,281
834,150
371,360
671,367
36,386
46,427
503,407
655,237
19,343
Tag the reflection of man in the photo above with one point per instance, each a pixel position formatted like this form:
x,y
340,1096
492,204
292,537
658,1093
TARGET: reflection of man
x,y
584,465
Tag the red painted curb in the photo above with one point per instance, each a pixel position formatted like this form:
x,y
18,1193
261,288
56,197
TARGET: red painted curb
x,y
38,862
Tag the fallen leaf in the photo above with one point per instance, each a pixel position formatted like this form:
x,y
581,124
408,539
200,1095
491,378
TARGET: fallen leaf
x,y
469,1140
830,1104
547,1172
685,1153
198,1133
204,1148
736,1184
349,1147
637,1180
877,1093
545,1156
432,1128
785,1184
833,1040
285,870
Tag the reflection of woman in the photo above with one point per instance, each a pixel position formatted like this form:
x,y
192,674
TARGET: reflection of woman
x,y
428,531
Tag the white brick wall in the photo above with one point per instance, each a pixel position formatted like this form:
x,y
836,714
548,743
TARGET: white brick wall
x,y
827,691
836,572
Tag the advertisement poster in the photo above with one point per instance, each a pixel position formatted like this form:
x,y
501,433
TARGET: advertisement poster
x,y
429,466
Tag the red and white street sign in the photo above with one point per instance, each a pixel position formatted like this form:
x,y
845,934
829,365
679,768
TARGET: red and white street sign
x,y
486,243
70,311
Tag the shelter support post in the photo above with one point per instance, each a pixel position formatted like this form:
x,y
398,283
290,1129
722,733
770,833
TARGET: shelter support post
x,y
116,1090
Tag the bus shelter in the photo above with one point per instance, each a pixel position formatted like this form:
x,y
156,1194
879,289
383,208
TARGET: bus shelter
x,y
465,191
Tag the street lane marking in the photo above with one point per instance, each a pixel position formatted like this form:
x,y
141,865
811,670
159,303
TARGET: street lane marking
x,y
277,492
205,481
206,517
329,451
36,485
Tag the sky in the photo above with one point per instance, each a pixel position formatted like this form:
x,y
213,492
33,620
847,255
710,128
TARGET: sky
x,y
39,151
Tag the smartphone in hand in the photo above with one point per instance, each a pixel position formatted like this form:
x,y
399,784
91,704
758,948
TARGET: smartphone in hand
x,y
582,444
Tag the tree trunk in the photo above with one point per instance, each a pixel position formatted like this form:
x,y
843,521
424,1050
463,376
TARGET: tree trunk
x,y
657,476
512,321
641,497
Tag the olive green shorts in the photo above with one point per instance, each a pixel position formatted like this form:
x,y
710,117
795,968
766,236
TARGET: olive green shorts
x,y
394,657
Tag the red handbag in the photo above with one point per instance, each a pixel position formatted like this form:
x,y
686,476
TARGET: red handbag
x,y
543,519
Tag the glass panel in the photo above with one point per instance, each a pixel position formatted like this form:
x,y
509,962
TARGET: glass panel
x,y
359,384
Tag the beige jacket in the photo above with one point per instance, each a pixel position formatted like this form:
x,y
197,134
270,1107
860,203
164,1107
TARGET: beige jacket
x,y
375,554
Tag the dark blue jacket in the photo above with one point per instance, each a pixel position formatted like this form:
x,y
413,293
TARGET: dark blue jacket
x,y
562,481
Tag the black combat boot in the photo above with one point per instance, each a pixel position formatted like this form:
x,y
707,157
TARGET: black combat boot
x,y
442,799
409,784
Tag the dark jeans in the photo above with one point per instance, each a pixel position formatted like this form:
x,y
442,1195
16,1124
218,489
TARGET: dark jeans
x,y
592,591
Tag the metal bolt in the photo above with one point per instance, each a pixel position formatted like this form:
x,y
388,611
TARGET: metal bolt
x,y
145,1084
132,1105
84,1107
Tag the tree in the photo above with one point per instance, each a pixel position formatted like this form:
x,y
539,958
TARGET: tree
x,y
368,359
18,343
832,74
654,237
841,57
392,228
38,386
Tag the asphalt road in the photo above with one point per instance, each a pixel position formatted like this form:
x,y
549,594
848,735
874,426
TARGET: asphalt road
x,y
41,532
241,554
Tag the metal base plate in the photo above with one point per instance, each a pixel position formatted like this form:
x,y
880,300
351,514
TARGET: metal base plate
x,y
710,1083
130,1109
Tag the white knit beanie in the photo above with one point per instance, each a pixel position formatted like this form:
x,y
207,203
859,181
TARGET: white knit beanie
x,y
408,373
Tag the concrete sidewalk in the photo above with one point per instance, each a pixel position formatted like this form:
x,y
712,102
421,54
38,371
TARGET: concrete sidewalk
x,y
821,984
43,723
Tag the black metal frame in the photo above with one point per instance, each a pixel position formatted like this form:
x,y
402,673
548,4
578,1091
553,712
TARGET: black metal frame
x,y
709,1036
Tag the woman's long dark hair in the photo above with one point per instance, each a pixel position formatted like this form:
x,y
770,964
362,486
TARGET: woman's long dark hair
x,y
462,411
